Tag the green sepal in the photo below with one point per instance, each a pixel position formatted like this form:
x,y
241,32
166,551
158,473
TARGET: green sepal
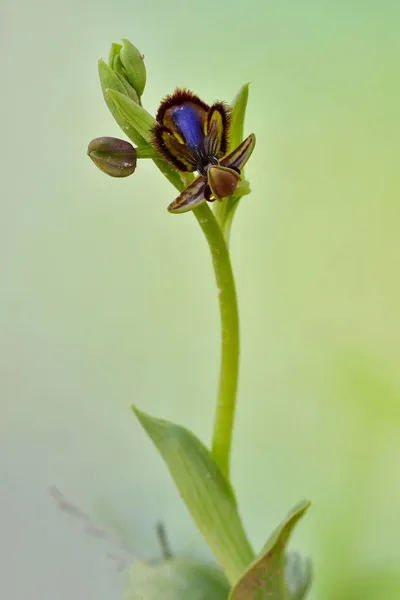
x,y
207,494
265,578
176,579
133,63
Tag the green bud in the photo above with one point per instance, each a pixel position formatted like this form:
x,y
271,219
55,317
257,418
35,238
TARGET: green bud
x,y
133,63
115,64
114,51
118,67
114,157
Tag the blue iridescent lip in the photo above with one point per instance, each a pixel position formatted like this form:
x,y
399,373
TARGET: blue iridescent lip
x,y
190,134
193,136
188,120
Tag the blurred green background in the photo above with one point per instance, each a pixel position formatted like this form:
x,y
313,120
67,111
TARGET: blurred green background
x,y
107,299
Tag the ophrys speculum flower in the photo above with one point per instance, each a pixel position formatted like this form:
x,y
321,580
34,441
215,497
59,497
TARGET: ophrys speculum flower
x,y
190,136
193,136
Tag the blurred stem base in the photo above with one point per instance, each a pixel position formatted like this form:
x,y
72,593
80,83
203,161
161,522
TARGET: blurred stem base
x,y
228,382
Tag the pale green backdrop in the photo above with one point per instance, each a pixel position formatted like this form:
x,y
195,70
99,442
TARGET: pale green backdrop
x,y
107,299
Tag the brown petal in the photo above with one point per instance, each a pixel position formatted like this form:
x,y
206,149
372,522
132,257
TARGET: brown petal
x,y
222,181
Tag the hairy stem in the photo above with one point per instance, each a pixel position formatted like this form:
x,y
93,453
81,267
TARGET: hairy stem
x,y
228,382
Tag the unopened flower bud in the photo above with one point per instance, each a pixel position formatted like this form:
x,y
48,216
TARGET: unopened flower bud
x,y
114,157
133,63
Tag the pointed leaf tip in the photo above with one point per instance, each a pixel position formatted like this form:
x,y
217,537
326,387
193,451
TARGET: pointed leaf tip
x,y
265,578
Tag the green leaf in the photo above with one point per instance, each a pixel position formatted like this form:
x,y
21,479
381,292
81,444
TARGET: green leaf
x,y
205,491
136,115
239,105
176,579
265,578
298,575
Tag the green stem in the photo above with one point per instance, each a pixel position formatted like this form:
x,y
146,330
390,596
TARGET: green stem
x,y
228,382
